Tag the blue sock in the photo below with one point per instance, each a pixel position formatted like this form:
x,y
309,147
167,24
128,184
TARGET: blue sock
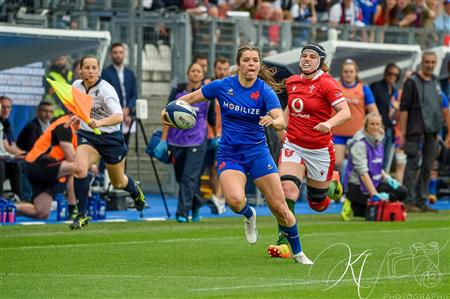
x,y
246,211
131,187
81,187
292,237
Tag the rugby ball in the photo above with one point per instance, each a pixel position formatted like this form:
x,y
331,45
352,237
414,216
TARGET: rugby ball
x,y
181,114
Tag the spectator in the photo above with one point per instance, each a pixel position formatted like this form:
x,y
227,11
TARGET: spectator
x,y
51,160
421,118
10,167
424,14
405,13
124,82
346,12
188,149
442,22
244,5
360,100
386,13
60,71
76,71
303,11
386,99
31,132
203,61
368,9
365,175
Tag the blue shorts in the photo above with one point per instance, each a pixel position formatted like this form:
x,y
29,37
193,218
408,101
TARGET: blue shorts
x,y
341,139
256,166
110,146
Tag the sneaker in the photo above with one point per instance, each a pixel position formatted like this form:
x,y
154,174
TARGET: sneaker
x,y
346,211
139,200
250,228
282,251
79,222
301,258
181,219
218,205
338,189
196,215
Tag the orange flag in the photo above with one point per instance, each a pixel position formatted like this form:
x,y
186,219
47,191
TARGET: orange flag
x,y
74,100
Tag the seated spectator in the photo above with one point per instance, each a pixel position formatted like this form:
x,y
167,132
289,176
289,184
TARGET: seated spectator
x,y
386,13
50,161
405,13
31,132
424,14
368,8
346,12
244,5
12,154
303,12
365,176
442,22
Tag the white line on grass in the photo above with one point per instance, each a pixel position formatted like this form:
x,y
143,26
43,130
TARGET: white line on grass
x,y
306,282
134,276
207,239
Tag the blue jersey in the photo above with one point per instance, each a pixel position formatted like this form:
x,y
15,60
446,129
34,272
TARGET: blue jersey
x,y
241,109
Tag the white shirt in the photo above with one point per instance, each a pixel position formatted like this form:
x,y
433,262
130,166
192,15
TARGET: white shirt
x,y
120,73
106,103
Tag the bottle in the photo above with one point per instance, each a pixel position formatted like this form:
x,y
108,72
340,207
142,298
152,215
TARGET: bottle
x,y
101,207
62,207
11,210
92,208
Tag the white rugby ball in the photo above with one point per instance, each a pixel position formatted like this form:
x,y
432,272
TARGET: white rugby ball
x,y
181,114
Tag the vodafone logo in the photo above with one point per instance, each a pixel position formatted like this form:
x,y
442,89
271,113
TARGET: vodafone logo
x,y
297,105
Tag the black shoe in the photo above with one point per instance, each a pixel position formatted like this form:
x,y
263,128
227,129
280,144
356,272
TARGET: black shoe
x,y
79,222
139,200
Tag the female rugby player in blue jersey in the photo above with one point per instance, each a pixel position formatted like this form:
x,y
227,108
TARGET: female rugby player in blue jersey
x,y
110,145
248,103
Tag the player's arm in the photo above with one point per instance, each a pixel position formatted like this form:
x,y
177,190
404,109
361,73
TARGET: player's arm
x,y
274,118
341,116
193,97
68,150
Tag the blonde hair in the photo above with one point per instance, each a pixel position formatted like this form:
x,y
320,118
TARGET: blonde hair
x,y
370,115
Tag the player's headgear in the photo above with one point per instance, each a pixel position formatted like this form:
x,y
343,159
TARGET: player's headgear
x,y
319,50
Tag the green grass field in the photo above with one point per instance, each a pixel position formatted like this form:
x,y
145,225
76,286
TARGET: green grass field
x,y
211,259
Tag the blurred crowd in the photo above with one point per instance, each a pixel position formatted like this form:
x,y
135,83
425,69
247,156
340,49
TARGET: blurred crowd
x,y
401,13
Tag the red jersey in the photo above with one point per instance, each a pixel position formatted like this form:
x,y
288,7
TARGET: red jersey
x,y
311,101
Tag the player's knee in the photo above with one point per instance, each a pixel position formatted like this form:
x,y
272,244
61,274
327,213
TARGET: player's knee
x,y
79,172
291,186
234,201
42,214
318,199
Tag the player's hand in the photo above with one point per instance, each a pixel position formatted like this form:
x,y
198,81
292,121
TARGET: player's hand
x,y
164,119
266,121
97,123
74,120
323,127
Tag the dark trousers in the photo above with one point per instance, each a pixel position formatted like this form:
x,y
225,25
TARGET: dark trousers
x,y
188,165
359,199
421,153
11,170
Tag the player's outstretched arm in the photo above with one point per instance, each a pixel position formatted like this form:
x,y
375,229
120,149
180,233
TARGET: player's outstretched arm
x,y
193,97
